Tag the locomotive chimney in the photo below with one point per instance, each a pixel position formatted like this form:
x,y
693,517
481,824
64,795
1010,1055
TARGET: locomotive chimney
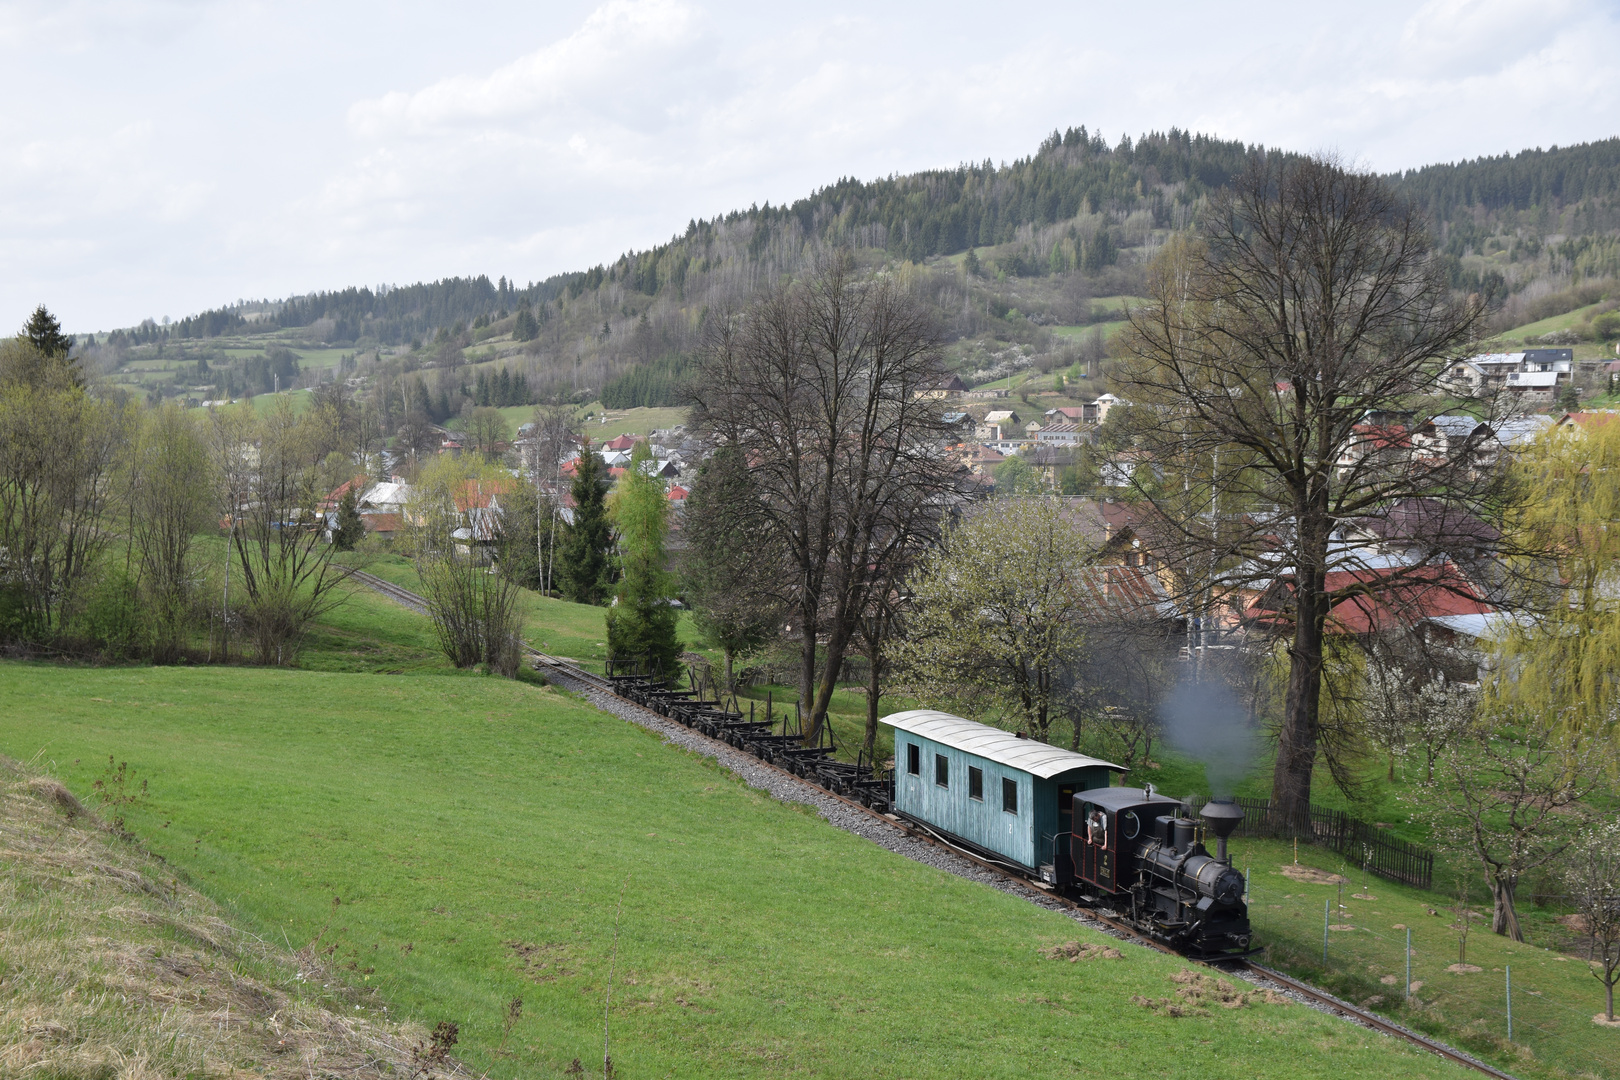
x,y
1222,816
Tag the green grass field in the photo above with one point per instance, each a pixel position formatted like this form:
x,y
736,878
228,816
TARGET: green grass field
x,y
487,840
1566,321
1554,996
1109,329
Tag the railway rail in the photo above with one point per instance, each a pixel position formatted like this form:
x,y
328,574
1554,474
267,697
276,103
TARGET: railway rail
x,y
684,707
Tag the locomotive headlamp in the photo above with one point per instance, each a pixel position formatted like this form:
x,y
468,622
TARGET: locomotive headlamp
x,y
1222,816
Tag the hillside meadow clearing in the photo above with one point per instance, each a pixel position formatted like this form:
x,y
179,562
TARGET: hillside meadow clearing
x,y
453,844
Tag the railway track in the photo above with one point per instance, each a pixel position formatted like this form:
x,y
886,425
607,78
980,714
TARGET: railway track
x,y
571,671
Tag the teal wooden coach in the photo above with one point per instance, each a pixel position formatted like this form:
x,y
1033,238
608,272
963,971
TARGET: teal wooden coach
x,y
989,790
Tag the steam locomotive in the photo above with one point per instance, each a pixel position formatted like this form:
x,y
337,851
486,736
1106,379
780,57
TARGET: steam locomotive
x,y
1059,821
1138,854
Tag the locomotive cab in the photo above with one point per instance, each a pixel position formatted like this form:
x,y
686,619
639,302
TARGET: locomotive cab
x,y
1108,826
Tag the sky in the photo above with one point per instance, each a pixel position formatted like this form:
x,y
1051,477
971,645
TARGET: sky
x,y
160,157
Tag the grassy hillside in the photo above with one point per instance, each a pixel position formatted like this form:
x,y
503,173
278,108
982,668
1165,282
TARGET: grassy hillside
x,y
1554,995
454,844
113,967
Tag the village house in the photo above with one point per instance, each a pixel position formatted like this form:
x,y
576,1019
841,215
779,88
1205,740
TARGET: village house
x,y
1061,435
947,386
981,460
997,425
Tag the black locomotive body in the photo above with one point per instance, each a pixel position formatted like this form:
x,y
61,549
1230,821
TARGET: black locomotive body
x,y
1137,853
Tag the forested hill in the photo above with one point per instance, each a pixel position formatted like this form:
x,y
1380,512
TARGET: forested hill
x,y
1037,240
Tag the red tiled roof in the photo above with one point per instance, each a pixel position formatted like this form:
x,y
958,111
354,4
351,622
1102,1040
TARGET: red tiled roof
x,y
357,485
678,493
384,523
623,442
476,494
1384,599
1588,419
1381,438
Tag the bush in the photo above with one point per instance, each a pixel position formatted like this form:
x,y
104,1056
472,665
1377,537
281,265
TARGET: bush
x,y
110,620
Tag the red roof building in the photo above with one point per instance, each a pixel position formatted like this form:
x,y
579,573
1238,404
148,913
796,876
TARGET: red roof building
x,y
356,485
1374,601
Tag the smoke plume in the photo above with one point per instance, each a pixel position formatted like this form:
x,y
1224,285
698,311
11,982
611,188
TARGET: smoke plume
x,y
1206,721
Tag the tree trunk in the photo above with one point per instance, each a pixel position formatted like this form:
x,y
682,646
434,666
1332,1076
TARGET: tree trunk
x,y
1504,917
837,645
730,686
1297,739
807,652
869,744
1609,988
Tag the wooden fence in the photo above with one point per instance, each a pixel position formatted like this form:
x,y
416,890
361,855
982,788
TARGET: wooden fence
x,y
1356,840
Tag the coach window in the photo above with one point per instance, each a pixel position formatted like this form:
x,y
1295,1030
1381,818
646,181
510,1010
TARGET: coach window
x,y
975,783
1009,795
913,759
942,770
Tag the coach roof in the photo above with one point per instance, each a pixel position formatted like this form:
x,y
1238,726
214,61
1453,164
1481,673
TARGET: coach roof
x,y
993,744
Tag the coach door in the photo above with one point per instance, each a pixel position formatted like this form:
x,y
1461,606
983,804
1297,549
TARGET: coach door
x,y
1063,849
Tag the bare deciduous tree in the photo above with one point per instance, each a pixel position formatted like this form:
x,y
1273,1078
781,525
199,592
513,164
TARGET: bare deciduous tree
x,y
168,493
1309,305
473,608
288,578
817,384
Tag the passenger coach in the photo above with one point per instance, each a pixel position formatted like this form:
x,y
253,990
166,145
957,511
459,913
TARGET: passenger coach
x,y
991,790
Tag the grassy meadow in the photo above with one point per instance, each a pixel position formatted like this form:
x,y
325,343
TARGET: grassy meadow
x,y
1554,995
451,844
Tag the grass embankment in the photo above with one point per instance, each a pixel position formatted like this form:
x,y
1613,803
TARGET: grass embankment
x,y
1554,995
482,836
113,967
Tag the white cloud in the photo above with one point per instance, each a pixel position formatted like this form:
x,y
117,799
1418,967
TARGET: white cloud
x,y
166,155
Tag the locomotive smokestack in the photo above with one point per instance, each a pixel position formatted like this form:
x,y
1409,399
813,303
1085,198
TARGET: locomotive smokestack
x,y
1222,816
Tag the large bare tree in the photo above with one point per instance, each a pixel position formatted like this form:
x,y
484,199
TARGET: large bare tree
x,y
817,384
1276,370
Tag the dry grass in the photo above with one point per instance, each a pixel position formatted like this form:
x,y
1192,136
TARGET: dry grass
x,y
113,969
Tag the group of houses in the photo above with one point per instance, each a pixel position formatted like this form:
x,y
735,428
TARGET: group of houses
x,y
382,506
1532,374
1420,576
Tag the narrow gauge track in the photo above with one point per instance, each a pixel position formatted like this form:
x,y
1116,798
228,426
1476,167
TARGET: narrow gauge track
x,y
843,778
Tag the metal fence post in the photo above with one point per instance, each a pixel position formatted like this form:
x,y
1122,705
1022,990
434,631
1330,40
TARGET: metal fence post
x,y
1327,907
1509,970
1409,963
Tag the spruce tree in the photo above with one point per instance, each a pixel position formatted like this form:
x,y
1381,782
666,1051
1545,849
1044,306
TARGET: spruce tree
x,y
45,333
584,562
641,622
525,328
351,529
